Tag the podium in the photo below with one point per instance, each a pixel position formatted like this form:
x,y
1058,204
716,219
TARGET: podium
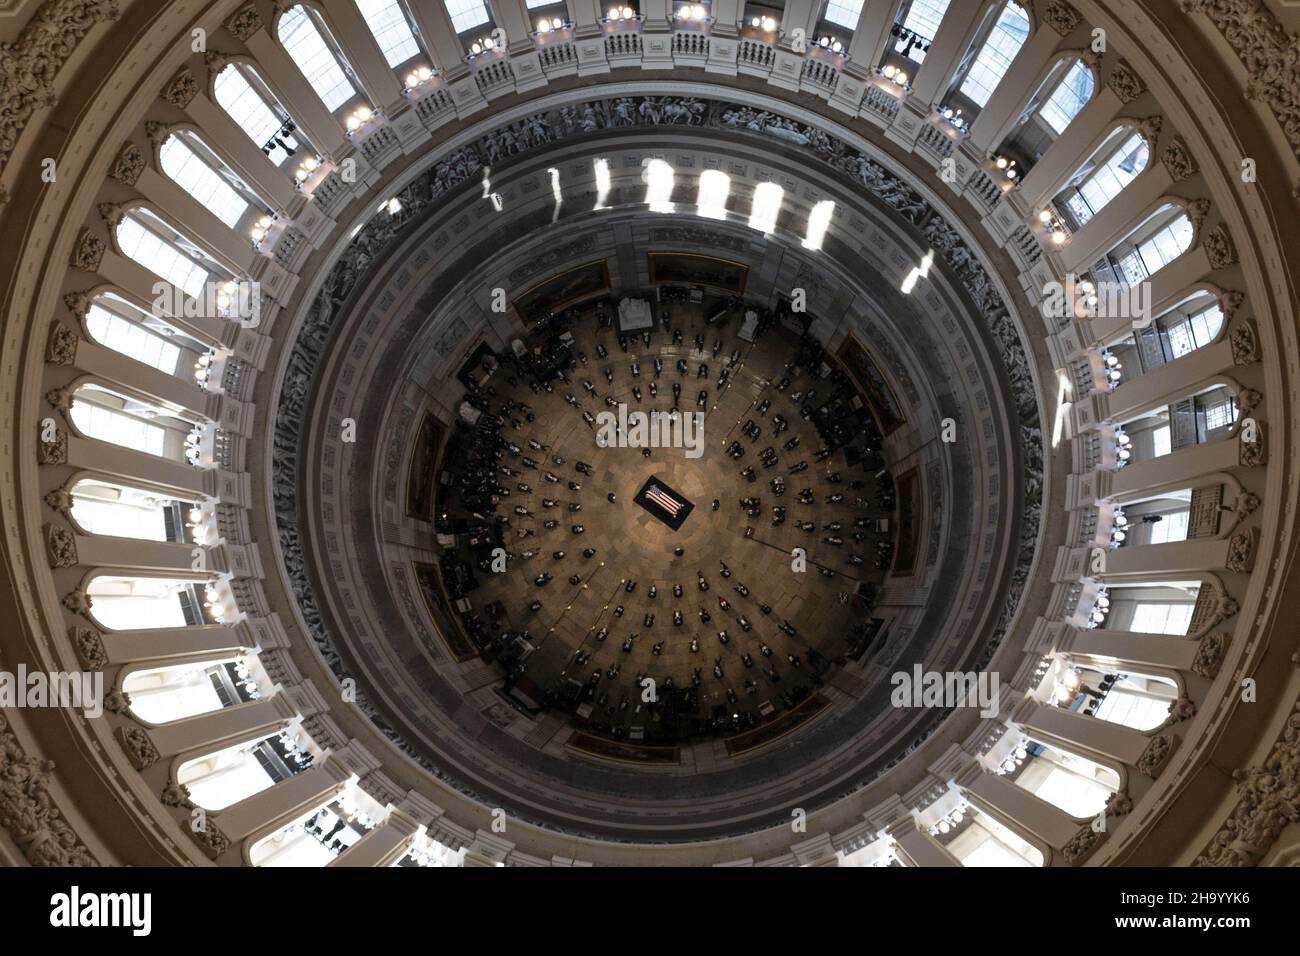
x,y
634,315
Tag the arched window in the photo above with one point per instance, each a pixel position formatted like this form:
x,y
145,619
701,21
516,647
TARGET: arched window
x,y
1140,701
197,170
1074,784
1196,419
320,835
164,694
985,842
391,28
249,102
467,14
1116,164
1155,608
1069,98
1160,240
123,602
108,324
109,508
218,780
121,419
158,247
916,26
715,187
995,56
304,39
766,208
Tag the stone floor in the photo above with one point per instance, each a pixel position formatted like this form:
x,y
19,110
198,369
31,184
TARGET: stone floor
x,y
632,545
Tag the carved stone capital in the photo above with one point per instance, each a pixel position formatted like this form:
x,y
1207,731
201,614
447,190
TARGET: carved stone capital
x,y
244,23
53,452
128,166
1230,302
116,702
60,499
89,646
61,345
1218,246
1125,83
1178,160
88,253
139,747
1197,210
1241,550
157,132
1081,845
1245,343
78,602
78,303
1119,803
1151,127
60,546
181,89
1154,757
213,841
1209,654
1061,17
176,795
112,214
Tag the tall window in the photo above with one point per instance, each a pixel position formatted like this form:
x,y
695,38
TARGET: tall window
x,y
262,120
659,186
194,174
844,12
467,14
1161,618
122,335
766,208
1069,97
715,186
1157,250
1195,331
102,507
1120,168
150,242
922,18
995,56
304,42
819,220
127,603
99,413
392,31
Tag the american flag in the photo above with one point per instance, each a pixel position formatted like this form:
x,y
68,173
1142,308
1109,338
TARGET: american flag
x,y
664,500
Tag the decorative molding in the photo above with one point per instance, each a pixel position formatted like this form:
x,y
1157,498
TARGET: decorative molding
x,y
1219,248
1241,550
1266,50
30,65
157,132
1061,17
116,702
244,23
1230,302
1269,801
60,500
78,303
176,795
112,214
1150,127
1125,83
215,61
61,344
60,547
1197,210
1081,845
1154,757
128,166
1178,160
139,747
208,836
89,646
53,452
1245,343
1255,452
1119,803
28,811
181,89
88,253
78,602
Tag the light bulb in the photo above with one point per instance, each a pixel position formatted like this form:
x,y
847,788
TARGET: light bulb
x,y
489,43
352,125
424,73
1002,163
756,22
411,80
476,49
258,233
265,222
837,46
543,25
613,13
889,72
769,24
557,24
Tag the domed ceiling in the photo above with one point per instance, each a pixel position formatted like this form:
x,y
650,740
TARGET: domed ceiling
x,y
553,723
391,570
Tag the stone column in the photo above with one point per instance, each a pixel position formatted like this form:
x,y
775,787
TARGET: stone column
x,y
1070,151
945,54
916,848
163,646
440,38
227,727
309,113
379,83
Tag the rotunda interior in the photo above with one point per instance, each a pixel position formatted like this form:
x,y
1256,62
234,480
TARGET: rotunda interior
x,y
522,433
